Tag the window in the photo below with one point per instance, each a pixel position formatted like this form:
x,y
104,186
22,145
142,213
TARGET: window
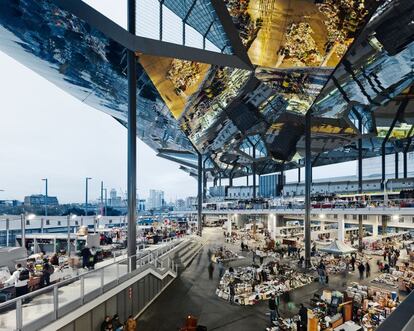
x,y
110,221
365,217
76,222
47,222
58,223
345,217
354,217
27,222
335,216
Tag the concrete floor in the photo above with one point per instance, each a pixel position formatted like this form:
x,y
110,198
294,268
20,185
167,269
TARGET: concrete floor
x,y
194,294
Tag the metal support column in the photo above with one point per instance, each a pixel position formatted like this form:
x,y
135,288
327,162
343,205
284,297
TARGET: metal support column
x,y
396,165
308,183
298,174
254,172
204,180
398,116
405,164
360,232
406,149
199,191
46,194
132,141
360,158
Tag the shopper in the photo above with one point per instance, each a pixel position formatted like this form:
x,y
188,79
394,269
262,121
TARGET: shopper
x,y
367,270
85,253
303,314
274,314
48,270
20,279
232,292
130,324
361,269
221,269
353,262
210,270
116,323
105,323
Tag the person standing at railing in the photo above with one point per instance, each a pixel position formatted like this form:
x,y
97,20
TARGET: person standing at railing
x,y
20,279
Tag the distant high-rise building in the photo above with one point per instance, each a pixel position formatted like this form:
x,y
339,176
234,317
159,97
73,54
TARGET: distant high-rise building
x,y
141,204
155,200
190,203
114,199
179,204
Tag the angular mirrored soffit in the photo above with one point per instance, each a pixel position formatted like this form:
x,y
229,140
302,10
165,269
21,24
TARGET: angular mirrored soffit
x,y
233,79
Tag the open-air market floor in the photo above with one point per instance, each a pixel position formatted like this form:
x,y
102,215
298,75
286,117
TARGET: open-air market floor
x,y
193,293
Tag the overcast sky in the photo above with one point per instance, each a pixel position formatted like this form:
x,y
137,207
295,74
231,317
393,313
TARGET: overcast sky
x,y
44,132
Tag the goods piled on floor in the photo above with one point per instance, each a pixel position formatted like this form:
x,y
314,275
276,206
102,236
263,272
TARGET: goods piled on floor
x,y
224,254
357,308
253,284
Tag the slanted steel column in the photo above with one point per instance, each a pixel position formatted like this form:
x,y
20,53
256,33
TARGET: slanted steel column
x,y
308,183
132,141
396,165
199,193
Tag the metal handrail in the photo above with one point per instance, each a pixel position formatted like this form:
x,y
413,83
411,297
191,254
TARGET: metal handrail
x,y
86,274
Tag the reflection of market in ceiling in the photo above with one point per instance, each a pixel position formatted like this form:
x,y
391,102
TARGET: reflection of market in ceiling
x,y
347,61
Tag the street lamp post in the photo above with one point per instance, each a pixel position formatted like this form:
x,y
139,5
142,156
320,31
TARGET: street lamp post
x,y
46,183
70,217
23,218
86,195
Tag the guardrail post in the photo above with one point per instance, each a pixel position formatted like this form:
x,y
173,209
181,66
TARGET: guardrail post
x,y
82,289
117,273
102,279
55,301
19,315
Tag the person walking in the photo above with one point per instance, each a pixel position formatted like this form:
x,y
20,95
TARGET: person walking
x,y
221,269
273,309
20,280
303,314
130,324
353,262
361,269
116,323
210,270
232,292
367,270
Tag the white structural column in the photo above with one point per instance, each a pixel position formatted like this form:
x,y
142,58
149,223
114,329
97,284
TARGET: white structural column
x,y
272,225
341,228
229,220
376,220
322,224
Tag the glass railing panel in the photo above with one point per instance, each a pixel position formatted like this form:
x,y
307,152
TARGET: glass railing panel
x,y
8,317
38,307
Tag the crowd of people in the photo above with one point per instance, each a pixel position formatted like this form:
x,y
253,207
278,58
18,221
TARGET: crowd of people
x,y
114,324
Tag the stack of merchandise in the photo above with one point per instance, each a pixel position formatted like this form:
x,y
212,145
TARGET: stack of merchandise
x,y
254,284
225,255
390,279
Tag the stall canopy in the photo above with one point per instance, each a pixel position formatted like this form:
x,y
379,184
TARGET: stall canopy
x,y
338,248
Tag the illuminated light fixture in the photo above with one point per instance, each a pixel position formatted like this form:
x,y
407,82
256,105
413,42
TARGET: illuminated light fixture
x,y
30,216
73,216
395,217
321,216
